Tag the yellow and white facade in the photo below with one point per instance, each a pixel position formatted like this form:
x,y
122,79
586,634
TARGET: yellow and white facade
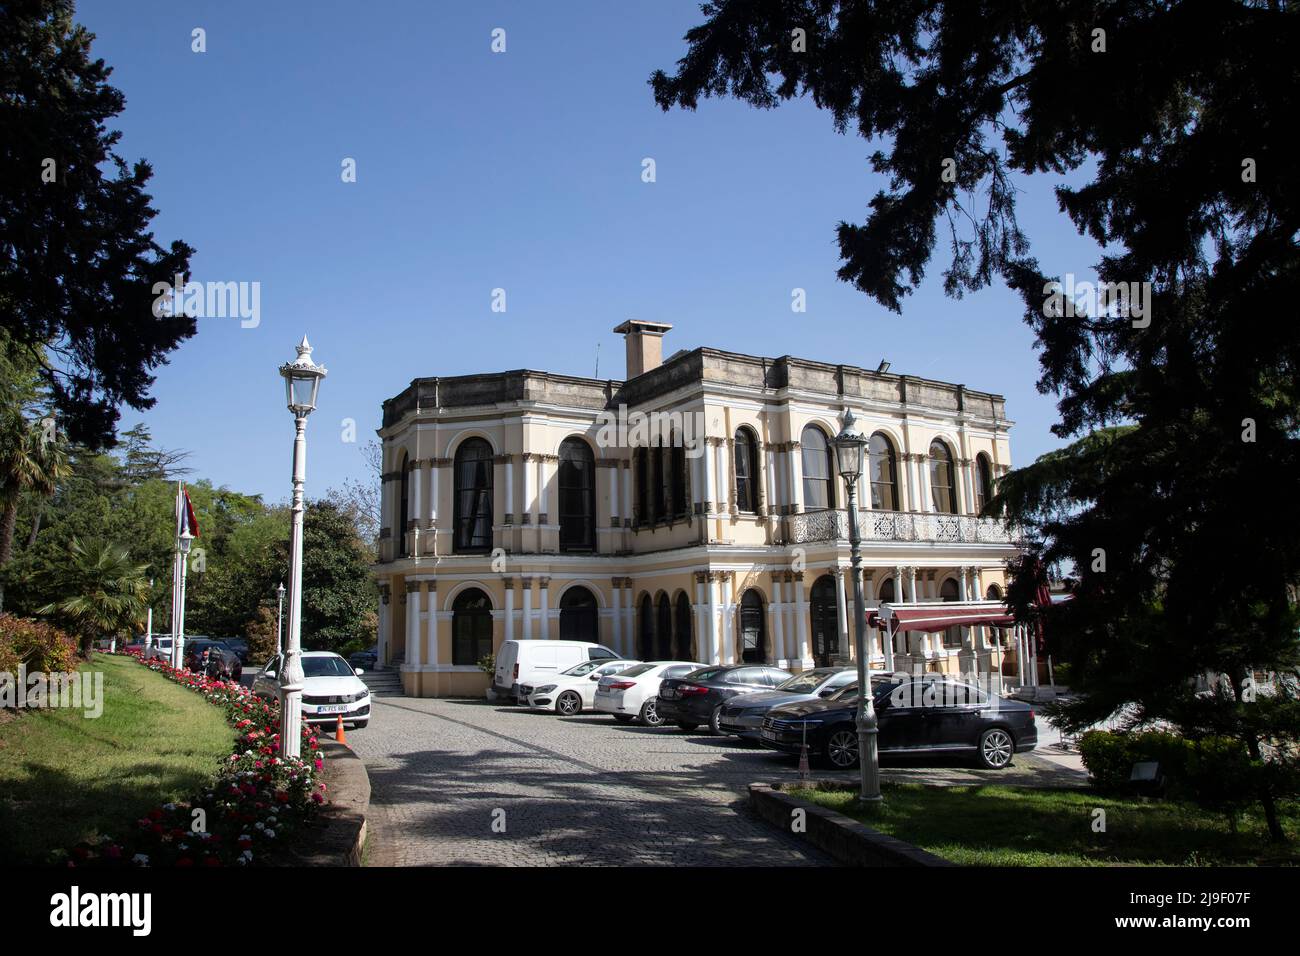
x,y
513,510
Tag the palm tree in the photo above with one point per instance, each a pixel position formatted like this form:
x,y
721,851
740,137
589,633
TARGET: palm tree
x,y
107,594
31,460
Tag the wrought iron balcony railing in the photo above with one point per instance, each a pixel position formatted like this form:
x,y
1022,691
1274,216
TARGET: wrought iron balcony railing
x,y
833,524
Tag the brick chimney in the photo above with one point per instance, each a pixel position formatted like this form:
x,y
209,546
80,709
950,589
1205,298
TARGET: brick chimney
x,y
645,346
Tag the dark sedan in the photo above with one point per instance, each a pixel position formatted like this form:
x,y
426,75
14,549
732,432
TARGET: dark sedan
x,y
367,659
921,715
698,697
213,658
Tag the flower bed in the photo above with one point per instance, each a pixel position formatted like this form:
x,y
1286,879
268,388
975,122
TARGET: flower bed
x,y
254,803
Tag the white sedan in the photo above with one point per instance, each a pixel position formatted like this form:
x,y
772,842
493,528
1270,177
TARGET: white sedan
x,y
571,691
330,689
633,694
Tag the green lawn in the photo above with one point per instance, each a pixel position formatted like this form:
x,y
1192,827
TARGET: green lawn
x,y
66,778
1023,826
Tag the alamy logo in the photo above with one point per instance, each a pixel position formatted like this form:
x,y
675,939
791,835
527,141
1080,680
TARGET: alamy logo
x,y
637,429
1120,299
80,690
73,909
209,300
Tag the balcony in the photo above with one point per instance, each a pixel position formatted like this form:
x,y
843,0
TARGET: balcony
x,y
833,525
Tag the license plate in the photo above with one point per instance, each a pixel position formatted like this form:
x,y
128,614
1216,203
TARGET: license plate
x,y
769,734
332,709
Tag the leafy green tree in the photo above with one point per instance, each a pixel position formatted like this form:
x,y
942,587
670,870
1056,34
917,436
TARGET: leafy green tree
x,y
338,605
105,592
1183,526
79,261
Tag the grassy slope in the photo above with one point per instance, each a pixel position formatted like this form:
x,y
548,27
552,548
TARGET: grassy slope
x,y
1021,826
65,778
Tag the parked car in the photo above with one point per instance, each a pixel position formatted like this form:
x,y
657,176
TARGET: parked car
x,y
161,647
331,688
212,658
743,714
918,715
368,659
531,662
697,698
571,691
631,695
239,646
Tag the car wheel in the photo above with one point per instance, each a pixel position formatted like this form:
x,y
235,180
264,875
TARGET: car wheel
x,y
568,704
650,713
996,748
715,720
687,726
360,724
842,748
623,718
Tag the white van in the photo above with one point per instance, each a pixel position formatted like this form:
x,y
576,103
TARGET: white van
x,y
521,662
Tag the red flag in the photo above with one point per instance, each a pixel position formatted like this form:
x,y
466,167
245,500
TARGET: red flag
x,y
188,521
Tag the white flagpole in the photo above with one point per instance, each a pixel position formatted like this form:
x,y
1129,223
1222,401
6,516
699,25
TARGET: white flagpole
x,y
176,577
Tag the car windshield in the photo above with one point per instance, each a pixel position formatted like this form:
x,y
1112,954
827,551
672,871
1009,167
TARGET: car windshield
x,y
328,666
586,667
638,670
801,683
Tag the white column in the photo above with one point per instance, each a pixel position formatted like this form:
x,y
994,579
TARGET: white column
x,y
510,490
434,468
713,644
528,608
616,593
911,585
627,500
701,621
613,500
545,584
728,655
778,620
779,475
417,472
769,469
964,591
413,624
795,461
510,609
841,613
801,624
723,475
710,482
430,615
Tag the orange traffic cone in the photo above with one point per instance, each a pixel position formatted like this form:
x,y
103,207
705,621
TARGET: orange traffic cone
x,y
338,733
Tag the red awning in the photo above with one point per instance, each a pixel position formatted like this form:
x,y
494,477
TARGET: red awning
x,y
902,617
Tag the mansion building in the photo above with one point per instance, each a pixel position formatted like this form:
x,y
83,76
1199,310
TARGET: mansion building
x,y
514,508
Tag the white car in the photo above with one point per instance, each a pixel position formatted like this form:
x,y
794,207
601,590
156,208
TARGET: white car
x,y
572,691
330,689
632,694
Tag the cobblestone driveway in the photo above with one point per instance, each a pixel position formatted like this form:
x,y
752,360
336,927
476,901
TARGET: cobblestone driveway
x,y
582,790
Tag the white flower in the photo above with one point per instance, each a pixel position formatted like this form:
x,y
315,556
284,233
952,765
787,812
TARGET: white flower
x,y
140,859
270,833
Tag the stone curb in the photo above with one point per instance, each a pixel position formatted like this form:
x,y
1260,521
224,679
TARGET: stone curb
x,y
340,830
851,843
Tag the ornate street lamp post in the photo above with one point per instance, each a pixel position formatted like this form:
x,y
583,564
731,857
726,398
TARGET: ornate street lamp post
x,y
302,378
850,447
279,622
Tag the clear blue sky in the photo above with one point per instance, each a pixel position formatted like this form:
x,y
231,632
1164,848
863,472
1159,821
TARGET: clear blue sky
x,y
519,170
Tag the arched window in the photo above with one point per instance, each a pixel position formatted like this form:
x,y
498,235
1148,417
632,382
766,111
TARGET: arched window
x,y
577,479
994,593
404,506
579,616
682,641
882,463
746,454
664,629
753,628
983,481
473,511
886,595
949,591
646,629
825,621
642,486
818,489
677,489
471,627
659,489
941,483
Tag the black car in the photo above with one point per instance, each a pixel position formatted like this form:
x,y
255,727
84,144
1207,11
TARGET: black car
x,y
367,659
918,715
212,658
239,646
698,697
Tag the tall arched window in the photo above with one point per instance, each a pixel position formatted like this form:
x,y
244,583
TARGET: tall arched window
x,y
473,497
664,629
886,595
682,642
646,629
471,627
579,616
882,463
825,621
642,486
942,489
658,488
404,506
949,591
746,454
818,490
577,480
753,628
983,481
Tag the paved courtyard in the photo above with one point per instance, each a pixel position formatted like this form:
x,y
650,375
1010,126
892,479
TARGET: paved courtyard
x,y
460,782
